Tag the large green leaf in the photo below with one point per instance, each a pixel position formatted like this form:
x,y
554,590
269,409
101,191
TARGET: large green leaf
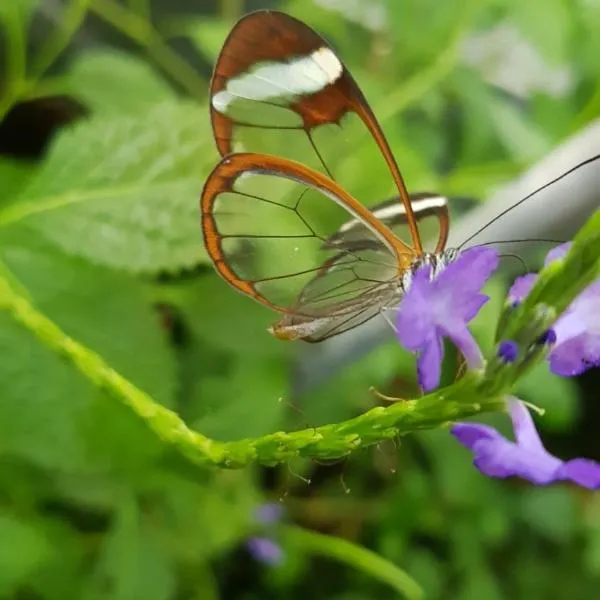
x,y
23,547
49,413
123,191
133,560
114,82
16,13
13,176
245,403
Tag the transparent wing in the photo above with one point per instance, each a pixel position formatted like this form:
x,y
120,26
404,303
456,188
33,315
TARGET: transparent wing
x,y
266,221
430,210
278,88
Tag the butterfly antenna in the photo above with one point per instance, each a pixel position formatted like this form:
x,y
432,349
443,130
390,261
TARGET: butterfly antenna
x,y
530,195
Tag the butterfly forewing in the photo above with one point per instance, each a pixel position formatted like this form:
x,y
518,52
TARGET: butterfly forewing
x,y
266,221
280,89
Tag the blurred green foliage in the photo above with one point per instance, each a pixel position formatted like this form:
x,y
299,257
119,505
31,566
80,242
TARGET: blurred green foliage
x,y
102,234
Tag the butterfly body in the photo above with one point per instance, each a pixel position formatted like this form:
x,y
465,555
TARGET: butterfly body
x,y
278,222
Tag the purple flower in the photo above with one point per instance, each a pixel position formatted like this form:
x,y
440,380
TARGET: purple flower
x,y
576,333
265,550
526,457
268,513
433,309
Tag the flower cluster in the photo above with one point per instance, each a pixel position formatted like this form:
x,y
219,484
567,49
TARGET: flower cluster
x,y
264,548
434,309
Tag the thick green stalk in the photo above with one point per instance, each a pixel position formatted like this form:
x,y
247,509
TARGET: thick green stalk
x,y
356,557
475,393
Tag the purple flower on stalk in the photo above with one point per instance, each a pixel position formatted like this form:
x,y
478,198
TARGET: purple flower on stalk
x,y
526,457
433,309
576,333
265,549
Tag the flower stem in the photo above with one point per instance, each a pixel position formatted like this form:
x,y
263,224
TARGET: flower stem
x,y
20,85
557,285
354,556
140,30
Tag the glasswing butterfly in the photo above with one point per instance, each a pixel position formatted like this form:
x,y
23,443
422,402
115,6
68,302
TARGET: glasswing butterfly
x,y
278,222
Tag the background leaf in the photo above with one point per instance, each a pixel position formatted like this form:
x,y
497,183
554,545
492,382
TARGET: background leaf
x,y
124,191
48,409
114,82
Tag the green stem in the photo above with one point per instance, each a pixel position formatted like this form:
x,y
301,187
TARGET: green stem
x,y
16,56
325,442
67,25
141,31
416,87
21,84
16,47
355,556
588,113
231,10
141,7
556,287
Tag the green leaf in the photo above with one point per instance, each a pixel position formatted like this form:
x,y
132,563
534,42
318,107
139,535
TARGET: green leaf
x,y
109,81
246,402
134,560
123,191
479,584
60,574
22,550
222,317
208,35
551,511
522,138
233,372
48,411
13,177
426,569
547,29
16,13
347,393
209,516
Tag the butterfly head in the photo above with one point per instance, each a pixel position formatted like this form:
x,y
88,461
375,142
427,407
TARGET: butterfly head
x,y
438,261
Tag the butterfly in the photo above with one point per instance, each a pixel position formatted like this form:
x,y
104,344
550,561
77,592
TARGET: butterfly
x,y
278,222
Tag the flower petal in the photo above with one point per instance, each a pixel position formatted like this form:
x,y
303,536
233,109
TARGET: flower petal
x,y
468,434
429,364
527,458
575,356
526,434
557,253
268,513
265,550
414,323
582,471
463,339
577,331
469,272
503,458
521,287
434,309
